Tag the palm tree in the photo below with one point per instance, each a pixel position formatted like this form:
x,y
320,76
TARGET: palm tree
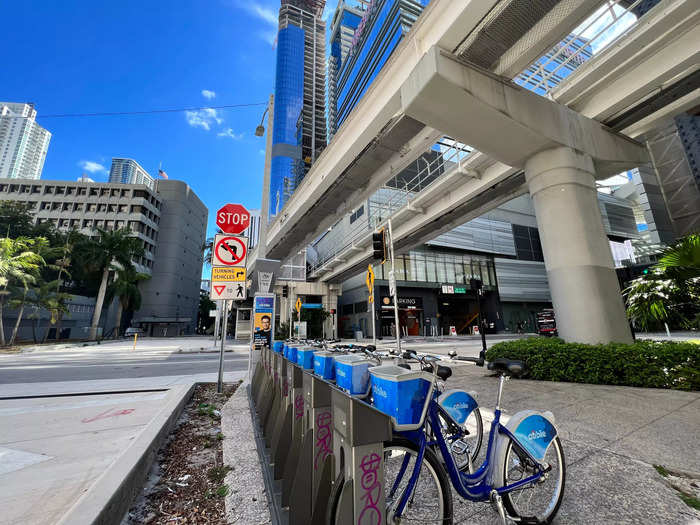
x,y
671,289
44,296
682,261
208,248
125,289
110,247
18,263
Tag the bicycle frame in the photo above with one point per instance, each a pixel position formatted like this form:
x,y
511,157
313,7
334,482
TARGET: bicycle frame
x,y
473,487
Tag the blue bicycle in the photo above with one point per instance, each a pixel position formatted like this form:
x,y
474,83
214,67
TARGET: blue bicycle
x,y
522,475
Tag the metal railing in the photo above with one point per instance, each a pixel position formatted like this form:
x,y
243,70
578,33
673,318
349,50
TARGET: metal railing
x,y
607,24
391,198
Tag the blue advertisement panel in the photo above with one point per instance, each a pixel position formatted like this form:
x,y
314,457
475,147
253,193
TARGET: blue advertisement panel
x,y
263,320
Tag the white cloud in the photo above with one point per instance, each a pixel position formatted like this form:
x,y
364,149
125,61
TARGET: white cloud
x,y
230,134
261,151
92,167
268,15
208,94
203,118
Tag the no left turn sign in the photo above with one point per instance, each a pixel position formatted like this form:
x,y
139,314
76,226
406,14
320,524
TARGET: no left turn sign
x,y
230,251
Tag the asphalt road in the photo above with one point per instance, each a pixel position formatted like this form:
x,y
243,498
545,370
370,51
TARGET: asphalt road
x,y
71,366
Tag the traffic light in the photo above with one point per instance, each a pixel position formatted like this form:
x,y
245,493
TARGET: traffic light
x,y
379,246
285,291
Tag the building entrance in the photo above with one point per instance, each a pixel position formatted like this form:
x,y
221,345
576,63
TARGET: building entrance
x,y
410,316
460,311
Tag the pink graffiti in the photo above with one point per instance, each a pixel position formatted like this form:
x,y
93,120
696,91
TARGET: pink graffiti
x,y
323,437
298,406
112,412
286,387
371,489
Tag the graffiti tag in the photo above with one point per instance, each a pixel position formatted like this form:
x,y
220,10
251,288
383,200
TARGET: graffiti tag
x,y
298,406
323,437
112,412
371,489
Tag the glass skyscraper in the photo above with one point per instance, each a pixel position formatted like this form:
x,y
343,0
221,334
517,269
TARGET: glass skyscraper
x,y
299,126
128,171
346,19
379,32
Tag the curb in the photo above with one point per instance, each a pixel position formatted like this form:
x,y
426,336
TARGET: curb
x,y
111,496
247,501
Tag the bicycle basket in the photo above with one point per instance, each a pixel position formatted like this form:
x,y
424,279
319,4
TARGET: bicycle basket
x,y
305,358
352,373
402,394
324,365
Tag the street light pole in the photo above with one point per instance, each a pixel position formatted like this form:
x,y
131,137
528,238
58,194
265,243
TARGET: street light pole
x,y
392,285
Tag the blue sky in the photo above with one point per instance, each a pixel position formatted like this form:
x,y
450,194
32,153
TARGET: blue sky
x,y
78,56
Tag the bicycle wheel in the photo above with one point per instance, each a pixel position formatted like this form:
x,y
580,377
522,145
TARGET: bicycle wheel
x,y
468,441
431,498
542,499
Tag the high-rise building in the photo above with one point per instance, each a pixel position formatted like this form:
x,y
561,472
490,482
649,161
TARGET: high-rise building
x,y
384,24
345,21
23,142
128,171
299,129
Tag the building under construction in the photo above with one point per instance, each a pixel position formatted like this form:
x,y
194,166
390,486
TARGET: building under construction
x,y
299,129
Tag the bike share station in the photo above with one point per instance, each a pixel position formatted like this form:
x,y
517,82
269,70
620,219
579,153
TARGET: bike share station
x,y
333,422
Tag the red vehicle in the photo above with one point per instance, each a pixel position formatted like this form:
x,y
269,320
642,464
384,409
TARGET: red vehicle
x,y
546,323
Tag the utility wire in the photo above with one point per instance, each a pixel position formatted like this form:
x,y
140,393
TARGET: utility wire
x,y
148,112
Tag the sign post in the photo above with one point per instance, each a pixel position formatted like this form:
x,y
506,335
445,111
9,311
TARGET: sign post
x,y
370,298
297,307
393,291
228,273
220,382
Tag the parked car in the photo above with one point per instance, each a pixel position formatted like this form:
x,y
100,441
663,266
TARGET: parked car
x,y
133,331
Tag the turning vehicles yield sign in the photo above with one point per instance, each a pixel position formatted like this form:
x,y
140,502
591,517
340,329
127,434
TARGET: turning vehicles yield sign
x,y
229,250
228,291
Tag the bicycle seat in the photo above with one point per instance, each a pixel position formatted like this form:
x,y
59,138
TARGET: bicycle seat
x,y
507,366
443,372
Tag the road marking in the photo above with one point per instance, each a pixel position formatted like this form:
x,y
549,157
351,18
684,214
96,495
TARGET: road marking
x,y
12,460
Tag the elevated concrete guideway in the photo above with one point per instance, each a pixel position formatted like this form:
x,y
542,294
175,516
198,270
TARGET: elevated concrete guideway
x,y
427,90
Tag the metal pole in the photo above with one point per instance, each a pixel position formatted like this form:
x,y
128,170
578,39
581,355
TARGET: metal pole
x,y
217,322
220,383
481,326
396,290
374,328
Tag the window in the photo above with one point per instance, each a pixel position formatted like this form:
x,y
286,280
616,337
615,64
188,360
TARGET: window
x,y
357,214
360,307
346,309
94,192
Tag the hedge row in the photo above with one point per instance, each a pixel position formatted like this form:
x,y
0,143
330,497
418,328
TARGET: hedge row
x,y
645,363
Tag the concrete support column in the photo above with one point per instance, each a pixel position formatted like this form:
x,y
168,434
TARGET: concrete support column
x,y
580,269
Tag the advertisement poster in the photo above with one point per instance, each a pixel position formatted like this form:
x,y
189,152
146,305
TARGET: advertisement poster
x,y
263,320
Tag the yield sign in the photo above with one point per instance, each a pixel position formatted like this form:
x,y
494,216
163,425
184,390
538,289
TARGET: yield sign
x,y
219,289
229,250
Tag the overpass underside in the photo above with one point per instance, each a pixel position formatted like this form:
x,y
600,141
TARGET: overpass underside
x,y
525,142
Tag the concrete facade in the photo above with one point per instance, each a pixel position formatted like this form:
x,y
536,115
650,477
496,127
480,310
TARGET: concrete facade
x,y
170,220
171,296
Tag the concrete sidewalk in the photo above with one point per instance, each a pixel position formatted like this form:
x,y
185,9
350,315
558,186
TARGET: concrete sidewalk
x,y
612,437
66,457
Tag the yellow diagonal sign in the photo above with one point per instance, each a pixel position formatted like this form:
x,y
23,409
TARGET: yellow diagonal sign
x,y
298,305
221,274
370,278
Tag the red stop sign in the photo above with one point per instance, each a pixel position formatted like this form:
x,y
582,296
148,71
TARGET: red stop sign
x,y
232,218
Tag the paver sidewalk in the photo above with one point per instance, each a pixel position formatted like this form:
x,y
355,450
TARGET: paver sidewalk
x,y
611,438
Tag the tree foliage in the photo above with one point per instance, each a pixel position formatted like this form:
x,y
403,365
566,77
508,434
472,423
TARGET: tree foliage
x,y
670,292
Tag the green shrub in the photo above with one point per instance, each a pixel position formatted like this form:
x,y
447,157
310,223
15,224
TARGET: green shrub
x,y
653,364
